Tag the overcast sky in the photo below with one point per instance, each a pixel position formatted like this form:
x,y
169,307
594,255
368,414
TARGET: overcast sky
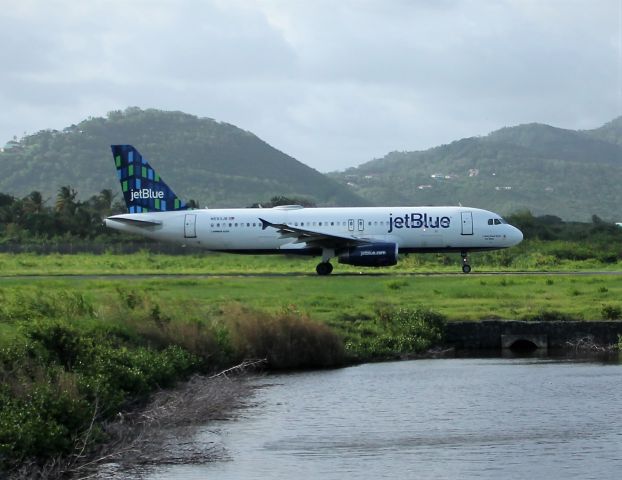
x,y
333,83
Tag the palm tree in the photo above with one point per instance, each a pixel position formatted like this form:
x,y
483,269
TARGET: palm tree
x,y
104,201
34,203
65,200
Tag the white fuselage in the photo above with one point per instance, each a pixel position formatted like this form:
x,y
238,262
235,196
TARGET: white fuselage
x,y
413,229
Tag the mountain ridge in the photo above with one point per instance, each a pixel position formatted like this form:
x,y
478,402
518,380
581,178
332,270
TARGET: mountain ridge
x,y
217,164
573,174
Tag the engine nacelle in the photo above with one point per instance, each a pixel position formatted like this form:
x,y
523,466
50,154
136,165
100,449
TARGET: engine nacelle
x,y
375,255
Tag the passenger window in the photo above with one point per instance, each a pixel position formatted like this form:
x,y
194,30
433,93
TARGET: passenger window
x,y
332,224
254,224
230,225
248,224
320,224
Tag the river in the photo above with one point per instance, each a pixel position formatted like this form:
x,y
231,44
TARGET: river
x,y
441,419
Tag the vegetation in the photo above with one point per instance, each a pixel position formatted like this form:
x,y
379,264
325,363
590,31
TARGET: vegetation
x,y
215,163
535,167
31,220
75,352
68,364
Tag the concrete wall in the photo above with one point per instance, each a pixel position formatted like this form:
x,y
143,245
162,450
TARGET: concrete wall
x,y
487,334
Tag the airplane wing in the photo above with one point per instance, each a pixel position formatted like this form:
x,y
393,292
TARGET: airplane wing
x,y
315,239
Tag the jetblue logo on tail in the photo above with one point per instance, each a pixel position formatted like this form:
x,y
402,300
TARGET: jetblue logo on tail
x,y
143,189
145,193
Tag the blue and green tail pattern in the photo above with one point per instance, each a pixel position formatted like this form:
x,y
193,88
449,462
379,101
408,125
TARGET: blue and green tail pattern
x,y
143,189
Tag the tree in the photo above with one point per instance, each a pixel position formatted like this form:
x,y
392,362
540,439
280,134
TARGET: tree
x,y
34,203
65,200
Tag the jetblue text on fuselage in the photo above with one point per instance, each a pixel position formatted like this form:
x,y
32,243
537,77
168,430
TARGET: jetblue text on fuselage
x,y
417,220
145,193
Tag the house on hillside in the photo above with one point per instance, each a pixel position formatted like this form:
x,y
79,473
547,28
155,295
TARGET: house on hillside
x,y
11,145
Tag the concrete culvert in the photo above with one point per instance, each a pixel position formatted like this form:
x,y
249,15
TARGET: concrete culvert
x,y
523,346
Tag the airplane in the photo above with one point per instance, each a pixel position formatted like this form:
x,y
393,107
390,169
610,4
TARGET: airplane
x,y
360,236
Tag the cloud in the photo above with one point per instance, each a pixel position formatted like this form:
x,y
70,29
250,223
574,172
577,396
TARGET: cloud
x,y
333,84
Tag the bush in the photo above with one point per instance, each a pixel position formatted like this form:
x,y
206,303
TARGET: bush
x,y
396,332
611,312
61,377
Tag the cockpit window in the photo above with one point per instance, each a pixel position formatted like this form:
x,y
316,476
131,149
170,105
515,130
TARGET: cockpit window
x,y
497,221
490,221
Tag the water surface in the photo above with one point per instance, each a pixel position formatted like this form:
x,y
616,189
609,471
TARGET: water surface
x,y
455,418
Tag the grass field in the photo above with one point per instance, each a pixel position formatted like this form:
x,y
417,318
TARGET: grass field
x,y
345,297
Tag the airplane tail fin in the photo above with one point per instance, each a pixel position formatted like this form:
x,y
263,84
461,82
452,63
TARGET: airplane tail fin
x,y
143,189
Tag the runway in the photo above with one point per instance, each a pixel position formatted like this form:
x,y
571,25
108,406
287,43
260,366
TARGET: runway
x,y
199,276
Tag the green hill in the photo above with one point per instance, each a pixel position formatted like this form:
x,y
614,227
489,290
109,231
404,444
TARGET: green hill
x,y
215,163
548,170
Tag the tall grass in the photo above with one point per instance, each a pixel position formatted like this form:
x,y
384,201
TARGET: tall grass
x,y
287,340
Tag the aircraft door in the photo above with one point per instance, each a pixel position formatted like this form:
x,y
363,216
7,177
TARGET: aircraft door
x,y
467,223
361,225
190,226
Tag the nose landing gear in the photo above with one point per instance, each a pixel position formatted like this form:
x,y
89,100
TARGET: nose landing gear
x,y
466,268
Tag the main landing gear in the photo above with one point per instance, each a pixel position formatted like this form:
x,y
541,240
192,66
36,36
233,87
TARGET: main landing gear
x,y
466,268
324,268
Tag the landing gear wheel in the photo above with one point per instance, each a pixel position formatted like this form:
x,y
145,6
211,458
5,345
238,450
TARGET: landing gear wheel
x,y
324,268
466,268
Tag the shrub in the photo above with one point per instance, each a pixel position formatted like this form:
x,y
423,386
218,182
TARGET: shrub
x,y
54,384
611,312
396,332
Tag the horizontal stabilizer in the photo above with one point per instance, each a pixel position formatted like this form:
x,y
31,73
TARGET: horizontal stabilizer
x,y
134,221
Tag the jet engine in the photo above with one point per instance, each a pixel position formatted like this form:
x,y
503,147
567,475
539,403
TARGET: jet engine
x,y
374,255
